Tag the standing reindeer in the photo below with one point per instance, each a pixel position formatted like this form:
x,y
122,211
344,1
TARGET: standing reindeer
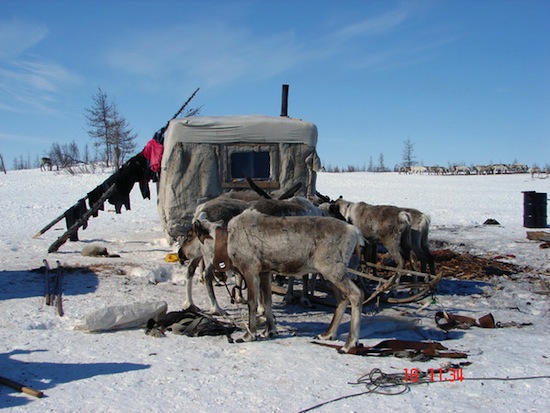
x,y
45,164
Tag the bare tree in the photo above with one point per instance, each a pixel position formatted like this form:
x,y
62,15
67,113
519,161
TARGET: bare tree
x,y
408,154
370,168
20,163
123,139
56,154
98,118
109,129
86,154
64,156
2,164
381,166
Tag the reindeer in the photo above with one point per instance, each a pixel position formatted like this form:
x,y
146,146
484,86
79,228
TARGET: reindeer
x,y
535,170
45,164
196,248
257,245
199,250
385,224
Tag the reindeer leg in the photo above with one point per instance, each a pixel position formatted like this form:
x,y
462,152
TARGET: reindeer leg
x,y
209,281
311,284
332,330
188,301
430,259
253,287
239,286
355,296
289,295
304,300
371,255
265,287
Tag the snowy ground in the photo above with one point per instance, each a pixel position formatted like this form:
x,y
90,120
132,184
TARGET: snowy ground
x,y
130,371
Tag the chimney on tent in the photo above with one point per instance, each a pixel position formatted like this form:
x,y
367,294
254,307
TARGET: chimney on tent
x,y
284,101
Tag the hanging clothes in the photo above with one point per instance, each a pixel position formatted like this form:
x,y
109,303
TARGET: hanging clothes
x,y
94,195
153,153
73,214
131,172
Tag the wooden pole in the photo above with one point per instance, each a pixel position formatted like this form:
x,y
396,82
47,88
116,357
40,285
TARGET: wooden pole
x,y
184,105
58,290
82,220
18,386
56,220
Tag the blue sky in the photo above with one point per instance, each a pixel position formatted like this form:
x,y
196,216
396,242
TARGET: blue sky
x,y
465,81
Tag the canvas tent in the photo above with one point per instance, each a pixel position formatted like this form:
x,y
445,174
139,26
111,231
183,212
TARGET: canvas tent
x,y
206,156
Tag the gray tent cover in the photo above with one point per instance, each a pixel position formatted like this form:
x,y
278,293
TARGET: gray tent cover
x,y
206,156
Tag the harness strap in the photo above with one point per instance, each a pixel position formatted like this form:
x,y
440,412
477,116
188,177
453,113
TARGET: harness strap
x,y
221,259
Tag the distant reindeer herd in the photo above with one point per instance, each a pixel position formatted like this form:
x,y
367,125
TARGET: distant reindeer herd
x,y
46,164
494,169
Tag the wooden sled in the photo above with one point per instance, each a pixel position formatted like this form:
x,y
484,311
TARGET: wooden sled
x,y
399,286
391,285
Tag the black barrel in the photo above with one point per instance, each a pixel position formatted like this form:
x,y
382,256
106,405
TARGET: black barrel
x,y
534,209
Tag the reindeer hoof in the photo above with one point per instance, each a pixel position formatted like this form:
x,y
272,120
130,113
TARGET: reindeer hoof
x,y
240,300
217,311
350,348
270,334
247,338
290,300
155,332
345,350
306,303
191,307
325,336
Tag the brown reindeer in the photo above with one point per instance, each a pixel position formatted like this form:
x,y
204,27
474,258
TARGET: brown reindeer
x,y
259,245
385,224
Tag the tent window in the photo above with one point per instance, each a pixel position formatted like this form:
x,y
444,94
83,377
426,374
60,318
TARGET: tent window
x,y
250,164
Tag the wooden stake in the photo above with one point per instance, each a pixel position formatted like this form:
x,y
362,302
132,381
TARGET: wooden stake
x,y
18,386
